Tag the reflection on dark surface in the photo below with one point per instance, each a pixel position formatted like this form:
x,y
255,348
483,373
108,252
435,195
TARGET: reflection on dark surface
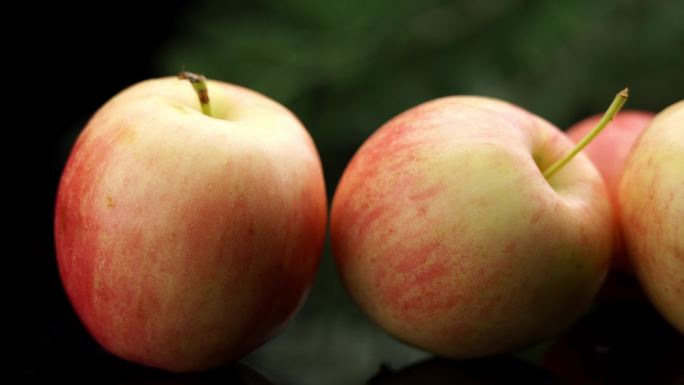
x,y
619,344
496,370
237,375
103,368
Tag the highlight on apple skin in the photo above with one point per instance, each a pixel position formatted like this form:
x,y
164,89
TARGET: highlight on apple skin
x,y
184,241
651,198
609,152
447,234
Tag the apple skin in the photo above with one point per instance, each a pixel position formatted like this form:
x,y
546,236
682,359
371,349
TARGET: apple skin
x,y
609,152
186,241
651,198
447,234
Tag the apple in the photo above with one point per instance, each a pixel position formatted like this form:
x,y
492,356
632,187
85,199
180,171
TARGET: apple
x,y
186,239
609,152
447,233
651,198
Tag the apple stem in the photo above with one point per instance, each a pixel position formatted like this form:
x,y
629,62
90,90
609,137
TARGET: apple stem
x,y
610,113
199,84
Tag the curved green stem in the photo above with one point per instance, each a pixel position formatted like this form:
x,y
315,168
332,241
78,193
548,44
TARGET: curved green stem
x,y
615,106
199,84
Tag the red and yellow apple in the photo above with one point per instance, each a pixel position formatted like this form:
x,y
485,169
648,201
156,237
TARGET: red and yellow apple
x,y
609,152
651,199
446,232
184,241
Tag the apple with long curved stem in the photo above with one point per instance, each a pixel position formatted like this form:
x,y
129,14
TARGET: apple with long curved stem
x,y
187,238
609,153
651,199
449,235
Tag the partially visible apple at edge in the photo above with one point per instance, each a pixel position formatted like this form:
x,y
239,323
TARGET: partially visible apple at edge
x,y
651,199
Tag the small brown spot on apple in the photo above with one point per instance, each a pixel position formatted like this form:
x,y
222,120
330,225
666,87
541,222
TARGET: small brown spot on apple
x,y
110,202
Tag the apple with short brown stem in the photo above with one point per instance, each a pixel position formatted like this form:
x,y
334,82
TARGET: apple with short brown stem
x,y
449,235
188,233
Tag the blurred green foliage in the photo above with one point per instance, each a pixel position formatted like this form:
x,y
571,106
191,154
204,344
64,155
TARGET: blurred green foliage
x,y
346,67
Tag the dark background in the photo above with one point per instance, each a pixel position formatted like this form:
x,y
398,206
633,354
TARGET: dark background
x,y
344,68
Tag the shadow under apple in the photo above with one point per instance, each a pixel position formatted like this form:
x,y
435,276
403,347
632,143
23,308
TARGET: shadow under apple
x,y
627,343
96,366
437,371
238,374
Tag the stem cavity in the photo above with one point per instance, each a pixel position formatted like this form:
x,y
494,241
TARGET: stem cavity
x,y
199,84
613,109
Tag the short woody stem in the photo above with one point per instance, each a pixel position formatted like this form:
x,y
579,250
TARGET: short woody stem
x,y
199,84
